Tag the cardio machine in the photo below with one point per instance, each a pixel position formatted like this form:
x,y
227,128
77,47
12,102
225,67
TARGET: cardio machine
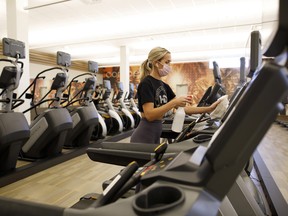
x,y
113,121
213,92
49,129
85,116
132,105
100,131
210,96
14,128
123,111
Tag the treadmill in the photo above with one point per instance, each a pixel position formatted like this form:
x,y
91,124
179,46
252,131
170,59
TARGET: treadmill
x,y
210,96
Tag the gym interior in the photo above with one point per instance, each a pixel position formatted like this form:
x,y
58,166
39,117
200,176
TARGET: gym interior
x,y
70,72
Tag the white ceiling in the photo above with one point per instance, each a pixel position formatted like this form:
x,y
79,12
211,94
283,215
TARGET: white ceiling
x,y
193,30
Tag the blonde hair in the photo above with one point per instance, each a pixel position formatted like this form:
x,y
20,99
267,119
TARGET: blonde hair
x,y
156,54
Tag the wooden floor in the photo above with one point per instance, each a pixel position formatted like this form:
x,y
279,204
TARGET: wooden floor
x,y
64,184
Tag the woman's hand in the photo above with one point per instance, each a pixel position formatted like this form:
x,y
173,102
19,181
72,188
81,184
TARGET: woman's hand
x,y
213,106
182,101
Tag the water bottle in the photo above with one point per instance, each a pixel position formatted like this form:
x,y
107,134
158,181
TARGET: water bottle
x,y
178,120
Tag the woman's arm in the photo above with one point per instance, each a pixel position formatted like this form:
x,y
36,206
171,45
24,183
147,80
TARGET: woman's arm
x,y
189,110
151,113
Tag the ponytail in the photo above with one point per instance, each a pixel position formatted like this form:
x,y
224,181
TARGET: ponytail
x,y
145,69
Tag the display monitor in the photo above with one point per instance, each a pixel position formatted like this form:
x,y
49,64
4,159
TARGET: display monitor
x,y
59,81
242,79
107,84
131,90
216,72
255,53
216,92
120,86
63,59
107,89
89,84
131,87
120,90
213,92
92,66
13,48
136,95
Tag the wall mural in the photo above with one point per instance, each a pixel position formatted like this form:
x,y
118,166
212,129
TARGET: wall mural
x,y
197,75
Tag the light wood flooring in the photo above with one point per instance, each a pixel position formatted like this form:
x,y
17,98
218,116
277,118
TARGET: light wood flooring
x,y
65,183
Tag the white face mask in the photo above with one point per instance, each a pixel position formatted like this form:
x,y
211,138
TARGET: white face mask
x,y
165,70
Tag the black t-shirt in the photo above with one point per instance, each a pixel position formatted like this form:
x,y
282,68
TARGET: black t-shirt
x,y
155,91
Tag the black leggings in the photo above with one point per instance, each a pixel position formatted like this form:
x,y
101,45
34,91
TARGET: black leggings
x,y
147,132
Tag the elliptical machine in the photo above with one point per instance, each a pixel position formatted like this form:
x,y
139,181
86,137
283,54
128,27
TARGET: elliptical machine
x,y
126,115
14,128
112,119
100,131
132,105
49,129
85,116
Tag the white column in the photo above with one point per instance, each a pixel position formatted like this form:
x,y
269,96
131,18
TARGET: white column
x,y
124,68
17,28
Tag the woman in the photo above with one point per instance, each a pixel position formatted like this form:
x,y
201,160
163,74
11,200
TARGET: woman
x,y
156,98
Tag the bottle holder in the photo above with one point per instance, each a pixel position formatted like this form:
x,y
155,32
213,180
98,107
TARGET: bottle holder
x,y
200,138
157,199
